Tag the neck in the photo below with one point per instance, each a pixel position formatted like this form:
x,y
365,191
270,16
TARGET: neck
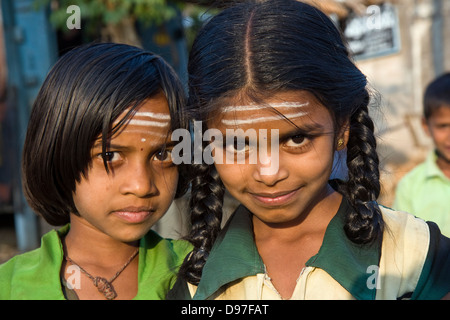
x,y
86,244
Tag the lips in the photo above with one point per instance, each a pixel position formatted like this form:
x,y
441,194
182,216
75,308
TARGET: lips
x,y
274,199
134,214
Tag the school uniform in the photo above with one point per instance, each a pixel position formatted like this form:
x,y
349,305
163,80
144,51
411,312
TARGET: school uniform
x,y
35,275
411,261
424,192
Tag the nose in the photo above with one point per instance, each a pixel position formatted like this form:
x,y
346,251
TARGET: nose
x,y
139,180
269,170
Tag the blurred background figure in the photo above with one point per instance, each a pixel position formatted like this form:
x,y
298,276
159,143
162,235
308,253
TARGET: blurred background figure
x,y
425,191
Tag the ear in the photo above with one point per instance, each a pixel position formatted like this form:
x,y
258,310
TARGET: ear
x,y
342,137
426,127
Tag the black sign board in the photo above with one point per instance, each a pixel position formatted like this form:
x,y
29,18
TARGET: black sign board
x,y
374,34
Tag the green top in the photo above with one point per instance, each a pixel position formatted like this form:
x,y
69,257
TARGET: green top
x,y
424,192
35,275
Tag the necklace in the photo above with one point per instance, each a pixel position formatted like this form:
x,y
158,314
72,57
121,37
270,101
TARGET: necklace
x,y
103,285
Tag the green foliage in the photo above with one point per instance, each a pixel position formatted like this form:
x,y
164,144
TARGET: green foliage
x,y
97,12
195,16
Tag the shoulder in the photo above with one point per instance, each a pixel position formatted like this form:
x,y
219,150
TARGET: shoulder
x,y
34,274
402,223
22,261
414,256
159,260
405,236
167,255
165,246
403,253
18,272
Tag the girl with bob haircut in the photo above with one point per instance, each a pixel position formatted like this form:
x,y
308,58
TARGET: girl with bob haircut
x,y
97,161
282,67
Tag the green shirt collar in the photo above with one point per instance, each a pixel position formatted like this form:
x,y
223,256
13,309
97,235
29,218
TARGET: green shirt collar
x,y
235,256
431,167
348,263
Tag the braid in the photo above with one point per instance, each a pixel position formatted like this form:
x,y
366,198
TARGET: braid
x,y
206,203
365,223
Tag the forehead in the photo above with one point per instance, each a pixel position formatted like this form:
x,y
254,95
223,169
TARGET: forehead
x,y
150,119
275,112
441,114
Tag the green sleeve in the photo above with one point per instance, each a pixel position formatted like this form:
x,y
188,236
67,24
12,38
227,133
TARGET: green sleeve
x,y
434,282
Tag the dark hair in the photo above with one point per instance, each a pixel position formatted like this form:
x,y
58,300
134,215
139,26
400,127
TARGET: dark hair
x,y
437,94
85,91
253,50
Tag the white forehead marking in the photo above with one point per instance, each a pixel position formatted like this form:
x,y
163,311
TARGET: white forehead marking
x,y
288,106
258,107
136,122
146,132
150,119
159,116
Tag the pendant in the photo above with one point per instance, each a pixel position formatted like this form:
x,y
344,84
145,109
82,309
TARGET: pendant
x,y
105,287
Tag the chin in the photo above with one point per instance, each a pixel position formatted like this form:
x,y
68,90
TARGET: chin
x,y
274,217
132,235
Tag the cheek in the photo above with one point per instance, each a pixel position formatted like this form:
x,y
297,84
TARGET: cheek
x,y
167,182
441,135
309,167
83,198
94,190
231,174
321,164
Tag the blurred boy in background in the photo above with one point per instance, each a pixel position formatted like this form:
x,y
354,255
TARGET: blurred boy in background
x,y
425,191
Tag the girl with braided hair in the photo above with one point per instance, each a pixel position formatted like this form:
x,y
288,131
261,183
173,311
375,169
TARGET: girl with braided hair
x,y
281,70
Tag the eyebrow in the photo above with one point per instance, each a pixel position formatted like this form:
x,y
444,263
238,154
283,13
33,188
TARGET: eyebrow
x,y
309,129
304,129
165,143
110,146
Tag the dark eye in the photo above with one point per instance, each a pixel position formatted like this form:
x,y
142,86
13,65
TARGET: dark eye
x,y
296,141
237,146
163,155
110,156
